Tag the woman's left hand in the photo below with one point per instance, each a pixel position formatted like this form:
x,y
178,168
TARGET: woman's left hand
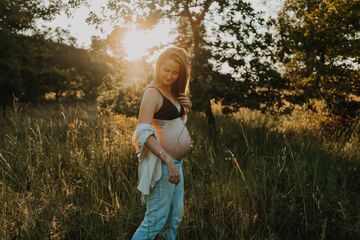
x,y
185,102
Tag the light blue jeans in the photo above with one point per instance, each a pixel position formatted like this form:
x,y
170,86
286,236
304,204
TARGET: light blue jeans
x,y
164,207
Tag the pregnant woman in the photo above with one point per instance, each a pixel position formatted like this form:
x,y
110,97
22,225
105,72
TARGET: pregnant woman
x,y
162,140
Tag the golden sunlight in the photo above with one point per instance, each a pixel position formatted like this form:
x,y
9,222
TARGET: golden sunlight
x,y
137,42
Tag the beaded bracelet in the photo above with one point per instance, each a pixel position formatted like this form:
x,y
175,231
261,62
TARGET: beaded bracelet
x,y
159,154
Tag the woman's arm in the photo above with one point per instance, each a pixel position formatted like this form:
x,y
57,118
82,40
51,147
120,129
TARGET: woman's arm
x,y
150,102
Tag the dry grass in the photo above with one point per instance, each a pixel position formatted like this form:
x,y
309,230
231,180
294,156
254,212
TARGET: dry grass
x,y
68,173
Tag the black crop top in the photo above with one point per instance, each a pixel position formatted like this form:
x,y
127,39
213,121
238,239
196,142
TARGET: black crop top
x,y
168,110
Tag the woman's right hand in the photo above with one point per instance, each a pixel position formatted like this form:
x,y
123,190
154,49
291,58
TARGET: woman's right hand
x,y
174,176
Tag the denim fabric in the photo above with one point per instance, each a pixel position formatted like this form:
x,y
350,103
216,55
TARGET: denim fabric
x,y
164,207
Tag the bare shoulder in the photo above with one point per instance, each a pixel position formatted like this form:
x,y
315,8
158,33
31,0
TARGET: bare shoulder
x,y
151,99
152,94
150,103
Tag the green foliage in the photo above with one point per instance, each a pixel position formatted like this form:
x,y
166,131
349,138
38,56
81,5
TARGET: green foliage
x,y
120,98
68,173
319,47
85,69
317,43
9,68
35,66
241,50
21,15
122,88
258,85
31,65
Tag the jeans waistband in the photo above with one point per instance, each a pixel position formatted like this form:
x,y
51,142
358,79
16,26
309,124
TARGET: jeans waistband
x,y
176,161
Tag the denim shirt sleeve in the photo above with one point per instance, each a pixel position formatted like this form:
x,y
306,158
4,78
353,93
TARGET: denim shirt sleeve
x,y
149,168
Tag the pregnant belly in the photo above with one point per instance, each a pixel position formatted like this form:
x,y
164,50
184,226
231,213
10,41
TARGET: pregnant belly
x,y
174,137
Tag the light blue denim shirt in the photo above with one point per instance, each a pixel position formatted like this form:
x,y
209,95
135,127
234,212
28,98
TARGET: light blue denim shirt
x,y
149,169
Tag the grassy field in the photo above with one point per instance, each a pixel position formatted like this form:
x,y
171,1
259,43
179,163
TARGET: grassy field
x,y
69,173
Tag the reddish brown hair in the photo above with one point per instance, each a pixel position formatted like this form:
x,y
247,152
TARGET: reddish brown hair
x,y
180,56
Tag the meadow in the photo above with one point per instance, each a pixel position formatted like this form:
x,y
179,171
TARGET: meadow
x,y
68,172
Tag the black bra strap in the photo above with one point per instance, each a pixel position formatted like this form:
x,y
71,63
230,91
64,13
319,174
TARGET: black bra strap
x,y
164,97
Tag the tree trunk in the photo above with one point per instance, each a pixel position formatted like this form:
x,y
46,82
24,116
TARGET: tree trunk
x,y
195,20
4,110
212,132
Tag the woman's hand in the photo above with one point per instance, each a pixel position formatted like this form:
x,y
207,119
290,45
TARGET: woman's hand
x,y
185,102
174,176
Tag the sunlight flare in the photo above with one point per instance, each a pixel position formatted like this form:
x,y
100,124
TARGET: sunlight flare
x,y
137,42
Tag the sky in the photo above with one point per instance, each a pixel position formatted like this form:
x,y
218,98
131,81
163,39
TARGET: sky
x,y
82,31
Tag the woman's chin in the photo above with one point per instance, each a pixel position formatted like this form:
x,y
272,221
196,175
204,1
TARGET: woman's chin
x,y
167,82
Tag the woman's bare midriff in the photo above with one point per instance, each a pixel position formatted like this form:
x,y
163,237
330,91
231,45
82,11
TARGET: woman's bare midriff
x,y
174,136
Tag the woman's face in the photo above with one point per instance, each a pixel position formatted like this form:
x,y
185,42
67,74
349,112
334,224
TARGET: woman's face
x,y
169,72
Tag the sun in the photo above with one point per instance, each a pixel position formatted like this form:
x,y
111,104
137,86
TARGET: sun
x,y
136,42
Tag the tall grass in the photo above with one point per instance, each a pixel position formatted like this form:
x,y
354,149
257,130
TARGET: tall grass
x,y
68,173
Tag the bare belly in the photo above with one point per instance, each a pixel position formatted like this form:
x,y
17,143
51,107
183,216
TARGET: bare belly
x,y
174,136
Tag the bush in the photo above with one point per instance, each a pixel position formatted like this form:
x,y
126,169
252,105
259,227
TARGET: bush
x,y
115,96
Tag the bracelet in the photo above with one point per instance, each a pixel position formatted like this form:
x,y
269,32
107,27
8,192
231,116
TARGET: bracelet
x,y
159,154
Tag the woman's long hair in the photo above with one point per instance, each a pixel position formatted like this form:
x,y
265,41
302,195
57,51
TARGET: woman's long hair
x,y
180,56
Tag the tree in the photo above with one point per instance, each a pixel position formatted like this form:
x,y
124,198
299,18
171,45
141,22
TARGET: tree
x,y
9,70
16,17
122,88
46,66
242,43
319,48
208,82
